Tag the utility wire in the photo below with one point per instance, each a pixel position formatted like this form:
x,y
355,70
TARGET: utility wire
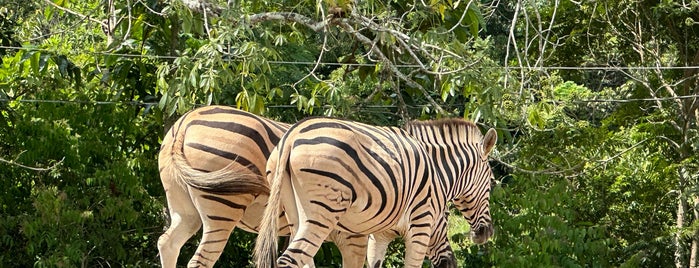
x,y
535,68
148,104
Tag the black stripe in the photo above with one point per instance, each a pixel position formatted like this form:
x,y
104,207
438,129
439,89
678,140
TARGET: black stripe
x,y
223,201
227,155
216,231
285,258
318,224
420,225
274,138
210,251
305,240
213,241
391,177
319,125
356,236
422,234
198,264
352,153
347,229
328,208
202,256
238,128
419,243
219,218
333,176
298,251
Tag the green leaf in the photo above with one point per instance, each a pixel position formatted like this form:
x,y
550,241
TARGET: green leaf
x,y
535,118
193,78
163,101
34,61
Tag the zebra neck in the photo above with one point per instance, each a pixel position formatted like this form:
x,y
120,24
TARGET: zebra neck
x,y
452,146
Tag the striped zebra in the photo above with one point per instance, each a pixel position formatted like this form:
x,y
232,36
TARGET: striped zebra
x,y
211,164
333,174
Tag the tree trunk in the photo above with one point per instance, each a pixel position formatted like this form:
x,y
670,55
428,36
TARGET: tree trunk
x,y
111,22
678,241
169,120
695,237
682,206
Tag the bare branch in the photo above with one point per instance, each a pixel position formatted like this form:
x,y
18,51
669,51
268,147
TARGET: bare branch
x,y
512,41
320,57
12,162
344,23
463,15
150,9
200,6
101,23
316,26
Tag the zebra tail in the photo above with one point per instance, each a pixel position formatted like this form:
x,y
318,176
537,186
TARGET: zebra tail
x,y
267,240
231,180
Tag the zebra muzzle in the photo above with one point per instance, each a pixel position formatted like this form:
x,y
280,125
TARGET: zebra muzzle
x,y
481,233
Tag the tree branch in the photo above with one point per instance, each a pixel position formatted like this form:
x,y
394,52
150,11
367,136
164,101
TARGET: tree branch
x,y
11,162
316,26
101,23
344,24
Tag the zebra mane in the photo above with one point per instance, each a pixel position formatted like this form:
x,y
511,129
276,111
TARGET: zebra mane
x,y
470,129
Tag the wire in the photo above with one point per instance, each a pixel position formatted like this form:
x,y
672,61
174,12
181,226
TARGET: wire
x,y
150,104
133,103
539,68
637,100
138,103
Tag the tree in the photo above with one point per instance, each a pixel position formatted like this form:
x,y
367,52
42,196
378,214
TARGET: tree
x,y
632,43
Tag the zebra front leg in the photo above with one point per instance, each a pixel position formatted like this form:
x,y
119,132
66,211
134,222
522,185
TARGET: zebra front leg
x,y
353,248
219,214
440,252
417,239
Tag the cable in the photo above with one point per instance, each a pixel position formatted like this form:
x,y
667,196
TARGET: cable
x,y
138,103
579,68
133,103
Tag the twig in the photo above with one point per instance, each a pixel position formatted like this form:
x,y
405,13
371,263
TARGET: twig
x,y
320,57
288,16
344,23
11,162
103,24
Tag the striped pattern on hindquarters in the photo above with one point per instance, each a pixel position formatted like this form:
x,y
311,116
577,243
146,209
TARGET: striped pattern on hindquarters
x,y
222,151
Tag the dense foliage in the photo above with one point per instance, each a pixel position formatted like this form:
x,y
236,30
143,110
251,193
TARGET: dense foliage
x,y
596,164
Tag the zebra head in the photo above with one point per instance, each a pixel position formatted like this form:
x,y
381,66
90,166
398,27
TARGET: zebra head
x,y
474,198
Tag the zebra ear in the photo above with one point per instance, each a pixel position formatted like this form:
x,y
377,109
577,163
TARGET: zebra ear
x,y
489,141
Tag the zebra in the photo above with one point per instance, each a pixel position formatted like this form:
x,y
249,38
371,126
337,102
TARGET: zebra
x,y
211,163
333,174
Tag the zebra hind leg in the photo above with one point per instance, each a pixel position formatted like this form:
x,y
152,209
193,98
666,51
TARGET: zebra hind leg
x,y
353,248
305,245
316,221
376,249
219,214
184,222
